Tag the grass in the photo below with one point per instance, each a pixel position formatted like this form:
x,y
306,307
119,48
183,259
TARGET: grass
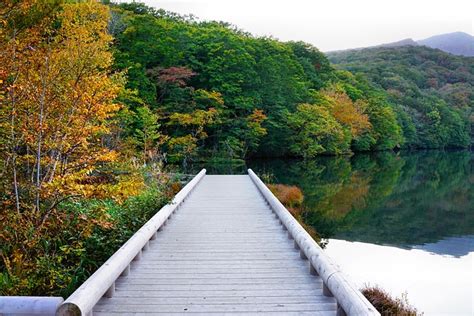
x,y
386,304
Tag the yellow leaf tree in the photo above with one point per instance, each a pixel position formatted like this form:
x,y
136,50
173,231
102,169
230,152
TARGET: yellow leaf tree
x,y
347,112
57,100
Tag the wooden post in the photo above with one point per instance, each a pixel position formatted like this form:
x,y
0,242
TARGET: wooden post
x,y
111,291
295,244
340,311
312,270
138,256
290,236
153,237
146,246
126,271
326,290
303,255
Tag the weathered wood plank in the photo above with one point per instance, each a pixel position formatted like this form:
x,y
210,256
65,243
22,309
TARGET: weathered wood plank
x,y
286,313
220,308
214,281
246,293
308,299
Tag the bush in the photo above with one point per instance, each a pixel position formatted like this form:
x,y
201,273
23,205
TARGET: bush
x,y
290,196
91,230
388,305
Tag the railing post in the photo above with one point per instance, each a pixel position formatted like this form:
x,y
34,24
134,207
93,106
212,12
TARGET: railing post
x,y
303,255
138,256
295,244
326,290
111,291
312,270
126,271
340,311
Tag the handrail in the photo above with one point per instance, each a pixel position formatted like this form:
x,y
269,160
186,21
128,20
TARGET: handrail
x,y
102,282
29,305
348,297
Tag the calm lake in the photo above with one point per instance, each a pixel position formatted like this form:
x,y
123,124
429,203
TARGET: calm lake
x,y
403,221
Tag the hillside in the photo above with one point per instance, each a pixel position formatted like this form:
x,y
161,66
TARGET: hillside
x,y
457,43
222,93
432,91
404,42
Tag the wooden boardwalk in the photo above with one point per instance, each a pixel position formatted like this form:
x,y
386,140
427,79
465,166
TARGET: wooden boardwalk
x,y
224,245
223,252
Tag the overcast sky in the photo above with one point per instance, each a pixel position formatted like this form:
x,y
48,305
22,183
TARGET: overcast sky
x,y
334,24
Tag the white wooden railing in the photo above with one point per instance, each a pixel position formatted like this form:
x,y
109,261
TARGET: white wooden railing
x,y
29,305
349,299
102,282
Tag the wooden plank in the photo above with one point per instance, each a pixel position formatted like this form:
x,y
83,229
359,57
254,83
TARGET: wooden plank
x,y
214,281
223,276
308,299
208,308
285,313
217,287
235,293
225,270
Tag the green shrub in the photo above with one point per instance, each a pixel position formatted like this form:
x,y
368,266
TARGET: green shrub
x,y
91,232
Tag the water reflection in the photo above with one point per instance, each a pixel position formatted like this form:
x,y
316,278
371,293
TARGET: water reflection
x,y
452,246
390,199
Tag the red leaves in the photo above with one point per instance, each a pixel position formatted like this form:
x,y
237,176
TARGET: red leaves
x,y
176,75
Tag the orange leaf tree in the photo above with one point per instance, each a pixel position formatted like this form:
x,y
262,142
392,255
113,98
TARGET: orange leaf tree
x,y
56,99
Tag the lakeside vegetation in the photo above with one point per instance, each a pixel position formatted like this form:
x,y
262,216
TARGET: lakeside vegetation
x,y
95,99
73,187
387,305
431,91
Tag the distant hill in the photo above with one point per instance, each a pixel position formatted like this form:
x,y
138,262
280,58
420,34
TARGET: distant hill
x,y
432,91
457,43
404,42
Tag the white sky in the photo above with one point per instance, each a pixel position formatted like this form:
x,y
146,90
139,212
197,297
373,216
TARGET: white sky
x,y
334,24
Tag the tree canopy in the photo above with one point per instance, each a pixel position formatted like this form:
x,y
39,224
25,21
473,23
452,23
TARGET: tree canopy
x,y
221,92
431,91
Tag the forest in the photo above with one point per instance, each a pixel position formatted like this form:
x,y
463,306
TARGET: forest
x,y
431,91
100,103
218,92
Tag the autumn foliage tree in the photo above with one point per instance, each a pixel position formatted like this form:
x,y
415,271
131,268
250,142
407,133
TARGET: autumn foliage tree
x,y
57,97
350,114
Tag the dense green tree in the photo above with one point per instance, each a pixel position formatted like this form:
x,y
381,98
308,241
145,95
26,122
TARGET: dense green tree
x,y
261,82
316,131
431,91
